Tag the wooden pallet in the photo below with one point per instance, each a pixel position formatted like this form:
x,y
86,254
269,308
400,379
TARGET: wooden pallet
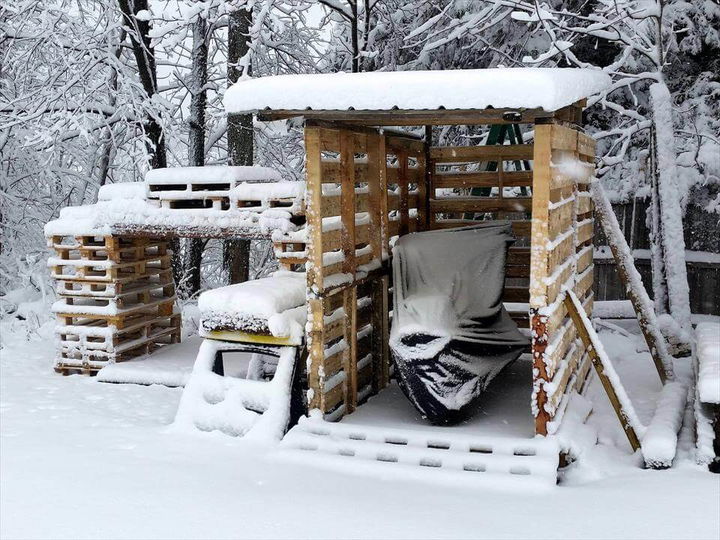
x,y
116,299
138,250
162,307
81,348
93,270
102,289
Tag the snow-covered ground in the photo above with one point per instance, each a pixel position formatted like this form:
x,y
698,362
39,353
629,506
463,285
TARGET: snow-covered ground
x,y
85,459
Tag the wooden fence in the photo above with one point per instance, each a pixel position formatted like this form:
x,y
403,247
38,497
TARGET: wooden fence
x,y
702,238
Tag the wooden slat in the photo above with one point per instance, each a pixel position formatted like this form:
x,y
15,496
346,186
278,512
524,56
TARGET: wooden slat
x,y
585,232
413,147
332,171
404,191
332,239
414,175
415,117
560,220
481,204
515,293
459,154
332,204
376,168
520,229
482,179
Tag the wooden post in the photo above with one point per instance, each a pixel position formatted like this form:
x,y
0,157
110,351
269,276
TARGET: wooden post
x,y
633,285
585,333
538,269
316,346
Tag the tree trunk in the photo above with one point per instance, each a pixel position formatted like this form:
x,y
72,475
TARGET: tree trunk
x,y
670,207
656,249
355,45
236,252
145,59
192,259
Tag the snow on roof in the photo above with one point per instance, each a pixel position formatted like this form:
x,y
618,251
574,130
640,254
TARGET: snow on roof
x,y
524,88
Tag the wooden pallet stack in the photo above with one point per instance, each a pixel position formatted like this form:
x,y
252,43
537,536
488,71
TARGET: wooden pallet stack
x,y
116,299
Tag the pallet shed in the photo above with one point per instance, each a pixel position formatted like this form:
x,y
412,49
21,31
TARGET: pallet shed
x,y
367,185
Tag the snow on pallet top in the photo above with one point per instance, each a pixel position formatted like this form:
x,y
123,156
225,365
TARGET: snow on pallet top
x,y
212,174
261,298
122,208
549,89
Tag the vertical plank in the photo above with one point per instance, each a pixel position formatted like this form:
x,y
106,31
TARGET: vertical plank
x,y
316,353
313,209
377,193
377,334
538,269
403,184
422,191
426,191
350,353
376,168
385,340
313,213
347,201
382,178
347,218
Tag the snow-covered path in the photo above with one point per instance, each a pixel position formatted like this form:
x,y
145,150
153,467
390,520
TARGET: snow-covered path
x,y
83,459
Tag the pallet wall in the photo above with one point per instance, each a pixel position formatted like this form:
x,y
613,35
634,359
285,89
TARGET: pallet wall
x,y
487,182
561,257
363,188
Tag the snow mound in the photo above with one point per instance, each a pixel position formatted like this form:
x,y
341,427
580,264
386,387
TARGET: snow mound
x,y
659,445
255,409
123,190
708,352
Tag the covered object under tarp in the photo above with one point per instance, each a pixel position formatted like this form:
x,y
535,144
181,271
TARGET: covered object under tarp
x,y
451,334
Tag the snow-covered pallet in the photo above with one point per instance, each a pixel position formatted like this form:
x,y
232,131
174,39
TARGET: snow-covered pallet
x,y
455,458
90,348
223,188
106,248
116,299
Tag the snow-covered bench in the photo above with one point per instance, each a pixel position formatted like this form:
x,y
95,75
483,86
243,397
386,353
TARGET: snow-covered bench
x,y
270,310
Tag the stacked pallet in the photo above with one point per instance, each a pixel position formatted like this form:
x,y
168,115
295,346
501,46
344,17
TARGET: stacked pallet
x,y
116,299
